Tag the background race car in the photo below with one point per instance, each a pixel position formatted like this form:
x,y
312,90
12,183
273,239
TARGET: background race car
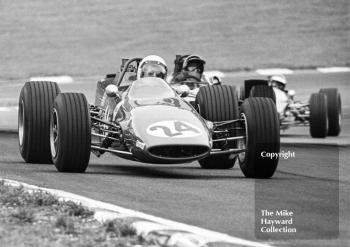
x,y
322,113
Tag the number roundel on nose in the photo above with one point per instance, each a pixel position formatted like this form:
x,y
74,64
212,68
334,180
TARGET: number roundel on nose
x,y
173,129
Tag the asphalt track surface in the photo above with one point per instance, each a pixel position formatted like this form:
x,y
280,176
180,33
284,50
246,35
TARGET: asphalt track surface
x,y
314,185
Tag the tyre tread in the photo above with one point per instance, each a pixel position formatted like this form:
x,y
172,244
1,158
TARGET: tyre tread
x,y
263,128
74,133
263,91
38,98
217,103
318,115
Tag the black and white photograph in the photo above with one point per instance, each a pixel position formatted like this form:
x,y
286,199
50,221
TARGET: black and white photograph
x,y
175,123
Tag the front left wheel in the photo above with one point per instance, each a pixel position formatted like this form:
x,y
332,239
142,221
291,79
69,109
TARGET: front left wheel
x,y
262,138
70,132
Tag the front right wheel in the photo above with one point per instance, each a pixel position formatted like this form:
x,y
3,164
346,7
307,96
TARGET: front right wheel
x,y
35,103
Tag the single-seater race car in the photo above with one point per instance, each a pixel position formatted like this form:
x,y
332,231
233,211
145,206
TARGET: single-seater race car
x,y
322,113
147,121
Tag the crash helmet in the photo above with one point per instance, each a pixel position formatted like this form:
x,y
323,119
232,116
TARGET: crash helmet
x,y
193,65
278,81
152,66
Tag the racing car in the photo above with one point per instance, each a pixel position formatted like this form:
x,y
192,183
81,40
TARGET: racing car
x,y
322,113
146,120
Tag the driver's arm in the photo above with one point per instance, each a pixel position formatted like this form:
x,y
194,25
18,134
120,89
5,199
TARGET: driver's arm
x,y
180,77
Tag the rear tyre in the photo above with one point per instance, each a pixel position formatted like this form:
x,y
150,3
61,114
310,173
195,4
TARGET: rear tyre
x,y
241,94
70,132
34,108
334,110
263,91
263,137
318,115
218,103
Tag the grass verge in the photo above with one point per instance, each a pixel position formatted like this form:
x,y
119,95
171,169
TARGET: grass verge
x,y
37,218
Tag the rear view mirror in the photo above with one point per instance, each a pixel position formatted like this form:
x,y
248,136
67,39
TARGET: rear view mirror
x,y
216,80
112,91
291,93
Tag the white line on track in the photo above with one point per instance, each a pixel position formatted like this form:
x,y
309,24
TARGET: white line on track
x,y
333,69
62,79
8,109
274,71
105,211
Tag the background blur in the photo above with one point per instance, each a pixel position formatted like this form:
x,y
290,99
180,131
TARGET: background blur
x,y
83,38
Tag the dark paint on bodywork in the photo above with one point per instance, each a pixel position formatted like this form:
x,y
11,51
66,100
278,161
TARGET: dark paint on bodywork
x,y
153,117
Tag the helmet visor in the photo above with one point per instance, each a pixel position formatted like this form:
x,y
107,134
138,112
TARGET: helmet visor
x,y
153,70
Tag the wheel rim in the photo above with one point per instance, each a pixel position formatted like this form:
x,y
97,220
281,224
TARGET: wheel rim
x,y
54,134
242,143
21,122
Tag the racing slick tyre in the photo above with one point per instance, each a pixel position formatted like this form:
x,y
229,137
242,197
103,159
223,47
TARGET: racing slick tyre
x,y
34,108
241,94
318,115
334,110
262,137
70,132
263,91
218,103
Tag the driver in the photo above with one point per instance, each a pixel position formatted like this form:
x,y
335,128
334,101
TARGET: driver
x,y
152,66
192,69
278,81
